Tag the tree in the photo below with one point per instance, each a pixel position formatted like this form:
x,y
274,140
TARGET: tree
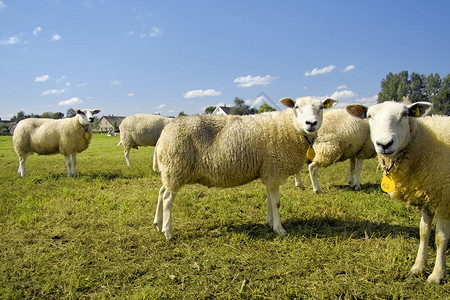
x,y
241,108
265,107
393,87
20,116
182,114
210,109
71,113
417,87
441,101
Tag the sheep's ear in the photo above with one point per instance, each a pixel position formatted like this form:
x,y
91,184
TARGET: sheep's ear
x,y
288,102
419,109
79,111
329,102
96,111
357,110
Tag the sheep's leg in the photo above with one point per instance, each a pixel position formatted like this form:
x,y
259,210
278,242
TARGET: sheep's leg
x,y
269,217
21,169
425,231
358,167
168,198
273,195
313,167
69,165
74,164
126,152
159,210
298,180
442,237
351,172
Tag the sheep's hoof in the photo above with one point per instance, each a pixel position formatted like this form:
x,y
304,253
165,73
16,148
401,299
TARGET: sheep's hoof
x,y
435,278
158,226
319,191
416,271
356,187
299,185
280,230
168,235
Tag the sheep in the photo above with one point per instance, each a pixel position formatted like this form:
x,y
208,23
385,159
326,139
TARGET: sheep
x,y
414,153
47,136
340,137
140,130
227,151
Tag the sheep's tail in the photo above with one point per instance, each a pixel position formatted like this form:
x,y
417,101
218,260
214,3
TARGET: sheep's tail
x,y
155,159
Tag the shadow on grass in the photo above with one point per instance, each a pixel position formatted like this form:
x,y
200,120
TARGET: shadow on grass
x,y
323,228
366,188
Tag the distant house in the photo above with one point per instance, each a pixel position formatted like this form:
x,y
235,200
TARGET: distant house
x,y
221,110
7,127
110,123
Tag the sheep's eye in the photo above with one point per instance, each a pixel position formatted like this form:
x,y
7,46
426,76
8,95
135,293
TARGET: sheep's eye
x,y
405,114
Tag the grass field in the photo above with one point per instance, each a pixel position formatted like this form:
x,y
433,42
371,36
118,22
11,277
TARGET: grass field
x,y
92,237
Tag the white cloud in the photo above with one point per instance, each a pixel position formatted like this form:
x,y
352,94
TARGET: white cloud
x,y
15,39
37,30
53,92
317,71
115,82
71,101
42,78
369,101
153,33
59,80
2,5
130,94
343,94
201,93
348,68
161,106
248,81
341,87
55,37
256,102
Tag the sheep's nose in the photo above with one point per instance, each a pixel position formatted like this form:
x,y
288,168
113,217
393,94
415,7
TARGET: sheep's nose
x,y
314,123
385,146
91,120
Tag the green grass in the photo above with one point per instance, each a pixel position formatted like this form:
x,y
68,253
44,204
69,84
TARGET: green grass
x,y
92,237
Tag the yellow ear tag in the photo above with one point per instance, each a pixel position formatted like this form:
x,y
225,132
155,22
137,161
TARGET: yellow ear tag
x,y
86,135
310,154
416,111
326,105
387,183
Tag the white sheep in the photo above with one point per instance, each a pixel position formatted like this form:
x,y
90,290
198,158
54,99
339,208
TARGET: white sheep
x,y
415,155
227,151
140,130
340,137
47,136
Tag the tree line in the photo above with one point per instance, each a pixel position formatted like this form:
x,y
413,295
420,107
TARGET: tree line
x,y
414,86
417,87
49,115
240,108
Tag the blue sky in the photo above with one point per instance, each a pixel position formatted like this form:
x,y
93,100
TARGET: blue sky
x,y
126,57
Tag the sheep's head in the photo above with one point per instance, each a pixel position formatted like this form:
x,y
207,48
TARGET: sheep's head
x,y
86,116
389,123
308,112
